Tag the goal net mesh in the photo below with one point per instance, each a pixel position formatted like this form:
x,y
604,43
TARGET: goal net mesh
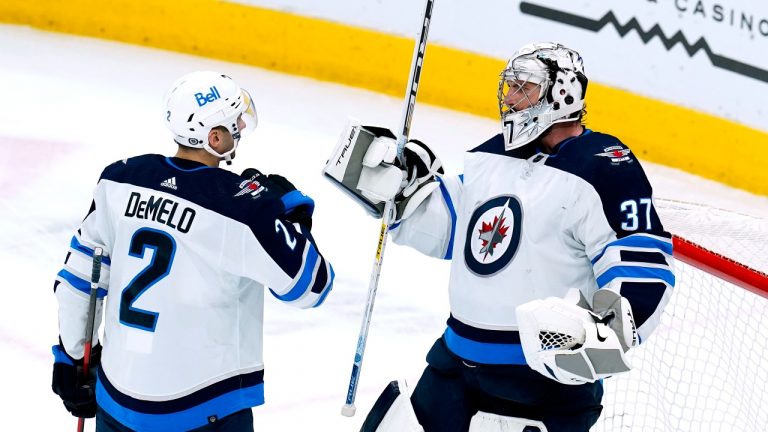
x,y
705,368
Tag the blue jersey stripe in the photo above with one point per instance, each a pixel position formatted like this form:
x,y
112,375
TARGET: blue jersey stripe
x,y
170,162
80,284
449,203
327,290
76,245
59,356
484,352
637,241
305,280
187,419
663,274
295,199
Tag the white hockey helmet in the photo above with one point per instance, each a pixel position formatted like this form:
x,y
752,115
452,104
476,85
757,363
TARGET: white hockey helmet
x,y
200,101
559,74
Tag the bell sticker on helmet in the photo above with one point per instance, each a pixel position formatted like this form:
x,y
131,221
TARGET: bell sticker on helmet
x,y
210,97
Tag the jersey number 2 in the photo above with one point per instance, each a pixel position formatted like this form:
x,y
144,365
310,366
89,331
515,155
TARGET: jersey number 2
x,y
164,247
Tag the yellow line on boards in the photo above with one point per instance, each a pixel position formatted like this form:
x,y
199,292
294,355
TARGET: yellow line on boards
x,y
660,132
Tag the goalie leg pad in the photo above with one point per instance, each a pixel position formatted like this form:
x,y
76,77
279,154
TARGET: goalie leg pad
x,y
487,422
392,411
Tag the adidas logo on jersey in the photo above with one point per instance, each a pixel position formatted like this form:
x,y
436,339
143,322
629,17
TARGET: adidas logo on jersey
x,y
170,183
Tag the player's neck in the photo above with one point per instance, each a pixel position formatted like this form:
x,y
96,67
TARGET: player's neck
x,y
559,132
197,155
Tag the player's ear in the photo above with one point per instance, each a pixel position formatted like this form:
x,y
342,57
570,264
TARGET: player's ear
x,y
215,136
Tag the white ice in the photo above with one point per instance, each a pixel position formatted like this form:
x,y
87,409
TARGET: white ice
x,y
69,106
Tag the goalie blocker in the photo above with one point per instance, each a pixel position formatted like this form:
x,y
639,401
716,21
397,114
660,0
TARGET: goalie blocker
x,y
364,165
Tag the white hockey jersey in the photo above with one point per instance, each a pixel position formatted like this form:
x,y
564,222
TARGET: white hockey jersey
x,y
525,225
189,250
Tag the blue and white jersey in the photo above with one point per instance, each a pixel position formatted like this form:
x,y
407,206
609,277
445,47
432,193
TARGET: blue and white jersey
x,y
525,225
189,251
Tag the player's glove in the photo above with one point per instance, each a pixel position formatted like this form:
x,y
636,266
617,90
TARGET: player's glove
x,y
76,391
298,206
572,344
365,164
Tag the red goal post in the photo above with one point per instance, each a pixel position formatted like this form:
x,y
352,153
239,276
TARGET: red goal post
x,y
705,367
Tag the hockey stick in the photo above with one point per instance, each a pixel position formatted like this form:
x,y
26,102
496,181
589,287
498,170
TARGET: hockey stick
x,y
348,409
95,276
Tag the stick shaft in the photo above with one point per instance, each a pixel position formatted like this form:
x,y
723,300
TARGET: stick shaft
x,y
91,319
405,127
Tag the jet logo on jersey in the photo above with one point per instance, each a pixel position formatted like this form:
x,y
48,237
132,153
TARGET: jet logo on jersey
x,y
493,235
617,154
251,187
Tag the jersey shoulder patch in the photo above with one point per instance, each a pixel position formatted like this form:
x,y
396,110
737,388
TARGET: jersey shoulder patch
x,y
614,173
596,158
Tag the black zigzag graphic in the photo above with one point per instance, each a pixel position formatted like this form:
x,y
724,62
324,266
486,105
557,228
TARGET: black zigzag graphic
x,y
655,31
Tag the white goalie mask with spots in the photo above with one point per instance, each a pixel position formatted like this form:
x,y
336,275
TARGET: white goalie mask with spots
x,y
557,95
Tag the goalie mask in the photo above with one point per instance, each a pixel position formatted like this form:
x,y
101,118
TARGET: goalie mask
x,y
200,101
542,84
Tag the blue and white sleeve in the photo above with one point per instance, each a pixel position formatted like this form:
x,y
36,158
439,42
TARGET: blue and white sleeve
x,y
640,268
432,226
285,257
73,282
630,252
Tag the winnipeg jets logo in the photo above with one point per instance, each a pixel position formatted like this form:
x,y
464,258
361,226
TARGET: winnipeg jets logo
x,y
493,235
616,153
251,187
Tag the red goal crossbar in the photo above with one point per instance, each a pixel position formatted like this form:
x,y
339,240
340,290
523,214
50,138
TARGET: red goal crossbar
x,y
718,265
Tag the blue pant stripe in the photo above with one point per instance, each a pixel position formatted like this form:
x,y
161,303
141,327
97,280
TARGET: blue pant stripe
x,y
484,352
191,418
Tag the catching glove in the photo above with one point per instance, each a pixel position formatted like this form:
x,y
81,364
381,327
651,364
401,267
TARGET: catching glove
x,y
573,345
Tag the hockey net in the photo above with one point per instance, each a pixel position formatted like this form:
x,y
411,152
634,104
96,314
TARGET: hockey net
x,y
705,368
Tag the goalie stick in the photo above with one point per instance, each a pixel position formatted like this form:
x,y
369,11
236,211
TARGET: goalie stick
x,y
348,409
95,276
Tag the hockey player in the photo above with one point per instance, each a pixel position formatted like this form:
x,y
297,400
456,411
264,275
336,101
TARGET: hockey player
x,y
189,249
560,264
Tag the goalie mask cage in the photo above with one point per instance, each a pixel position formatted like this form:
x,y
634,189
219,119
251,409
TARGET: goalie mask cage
x,y
705,367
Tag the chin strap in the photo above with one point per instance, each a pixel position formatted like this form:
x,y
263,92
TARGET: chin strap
x,y
227,157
